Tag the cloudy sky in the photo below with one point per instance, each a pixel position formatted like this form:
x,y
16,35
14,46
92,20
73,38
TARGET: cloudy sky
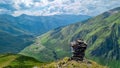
x,y
52,7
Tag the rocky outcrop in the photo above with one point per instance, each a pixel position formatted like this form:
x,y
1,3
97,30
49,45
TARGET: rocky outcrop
x,y
78,50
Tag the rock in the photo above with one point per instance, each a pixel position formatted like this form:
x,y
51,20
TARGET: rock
x,y
78,50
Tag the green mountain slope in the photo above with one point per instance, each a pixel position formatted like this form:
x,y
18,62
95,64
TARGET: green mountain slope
x,y
13,44
102,34
66,63
6,60
18,61
12,38
7,25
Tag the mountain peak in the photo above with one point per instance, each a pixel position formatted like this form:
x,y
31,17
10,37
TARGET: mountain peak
x,y
115,10
23,15
111,12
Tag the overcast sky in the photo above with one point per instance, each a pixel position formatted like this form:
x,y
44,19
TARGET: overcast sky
x,y
52,7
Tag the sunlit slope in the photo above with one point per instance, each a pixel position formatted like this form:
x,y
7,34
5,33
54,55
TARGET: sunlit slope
x,y
6,60
18,61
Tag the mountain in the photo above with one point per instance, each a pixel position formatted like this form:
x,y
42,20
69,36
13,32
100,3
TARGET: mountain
x,y
18,32
20,61
102,33
36,25
13,44
8,24
12,38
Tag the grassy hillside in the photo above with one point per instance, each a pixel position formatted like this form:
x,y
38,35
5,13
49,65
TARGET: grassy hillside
x,y
102,34
66,63
6,60
18,61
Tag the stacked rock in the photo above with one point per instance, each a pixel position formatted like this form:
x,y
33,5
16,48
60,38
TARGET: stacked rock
x,y
78,50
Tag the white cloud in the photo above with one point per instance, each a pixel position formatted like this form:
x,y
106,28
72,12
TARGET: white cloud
x,y
17,3
35,13
51,7
4,11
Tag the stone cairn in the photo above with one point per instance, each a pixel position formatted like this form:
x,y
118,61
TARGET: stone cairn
x,y
78,50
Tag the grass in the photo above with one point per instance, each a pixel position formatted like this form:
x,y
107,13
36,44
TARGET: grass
x,y
6,60
18,61
107,62
66,63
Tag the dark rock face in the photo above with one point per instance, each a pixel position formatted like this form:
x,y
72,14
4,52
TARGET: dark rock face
x,y
78,50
